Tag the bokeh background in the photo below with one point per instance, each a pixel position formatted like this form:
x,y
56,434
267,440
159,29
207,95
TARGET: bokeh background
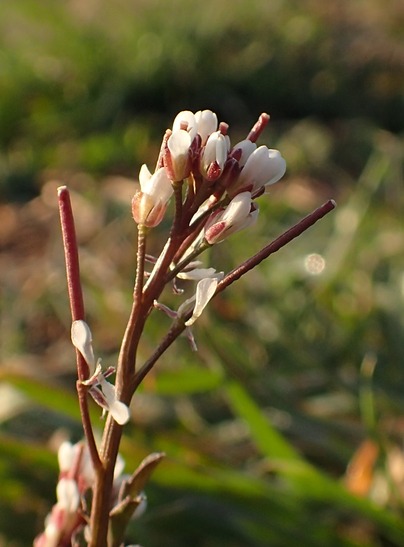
x,y
287,426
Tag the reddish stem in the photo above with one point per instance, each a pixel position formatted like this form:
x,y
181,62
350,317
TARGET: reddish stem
x,y
293,232
275,245
71,254
77,312
258,128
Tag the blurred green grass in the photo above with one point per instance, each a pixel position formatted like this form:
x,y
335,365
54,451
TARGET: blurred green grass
x,y
302,361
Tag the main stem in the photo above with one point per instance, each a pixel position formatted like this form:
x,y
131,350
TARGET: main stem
x,y
128,379
113,431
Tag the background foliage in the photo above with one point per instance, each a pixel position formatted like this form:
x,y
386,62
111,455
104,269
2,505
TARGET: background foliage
x,y
287,424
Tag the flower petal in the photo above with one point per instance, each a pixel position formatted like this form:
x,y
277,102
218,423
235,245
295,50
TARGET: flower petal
x,y
68,495
197,274
186,117
206,122
205,290
82,340
119,411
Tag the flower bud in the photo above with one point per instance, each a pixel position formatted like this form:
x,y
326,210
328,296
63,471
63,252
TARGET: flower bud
x,y
263,167
239,214
246,148
206,123
177,158
186,120
214,156
150,203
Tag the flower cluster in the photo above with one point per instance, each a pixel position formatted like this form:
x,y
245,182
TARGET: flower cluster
x,y
76,476
216,185
198,150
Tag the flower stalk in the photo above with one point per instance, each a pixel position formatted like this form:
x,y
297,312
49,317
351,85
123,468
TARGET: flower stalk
x,y
214,187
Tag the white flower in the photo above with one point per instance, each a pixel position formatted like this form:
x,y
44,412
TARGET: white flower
x,y
206,123
150,203
101,391
193,273
239,214
214,156
205,290
76,457
68,495
263,167
110,403
82,340
186,120
179,147
246,148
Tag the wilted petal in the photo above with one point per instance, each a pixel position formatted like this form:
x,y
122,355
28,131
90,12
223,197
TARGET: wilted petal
x,y
119,466
118,410
197,274
205,290
82,340
186,307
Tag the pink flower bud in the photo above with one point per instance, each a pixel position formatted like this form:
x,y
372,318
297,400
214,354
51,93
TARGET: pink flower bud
x,y
214,156
150,203
177,158
246,148
239,214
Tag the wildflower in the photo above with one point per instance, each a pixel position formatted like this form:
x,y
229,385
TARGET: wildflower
x,y
194,273
75,478
190,134
239,214
214,156
263,167
244,149
64,518
103,393
186,121
74,460
205,290
206,124
150,203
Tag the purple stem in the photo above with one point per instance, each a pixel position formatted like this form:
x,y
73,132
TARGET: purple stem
x,y
275,245
77,311
293,232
